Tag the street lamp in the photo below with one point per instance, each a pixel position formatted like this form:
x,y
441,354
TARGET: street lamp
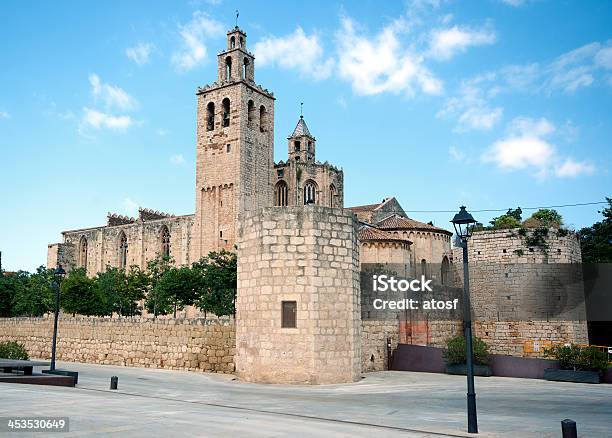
x,y
58,275
464,225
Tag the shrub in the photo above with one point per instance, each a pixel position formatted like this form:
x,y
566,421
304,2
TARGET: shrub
x,y
455,353
577,358
13,350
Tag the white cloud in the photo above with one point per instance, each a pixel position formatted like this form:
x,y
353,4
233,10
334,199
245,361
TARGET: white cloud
x,y
4,115
446,43
298,51
571,169
98,119
161,132
603,58
177,159
521,152
482,118
193,34
527,147
112,96
140,53
471,107
381,64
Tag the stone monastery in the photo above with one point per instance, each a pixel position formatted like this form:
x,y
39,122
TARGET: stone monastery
x,y
235,174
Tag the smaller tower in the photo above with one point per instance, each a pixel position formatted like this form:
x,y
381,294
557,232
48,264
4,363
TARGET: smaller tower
x,y
301,143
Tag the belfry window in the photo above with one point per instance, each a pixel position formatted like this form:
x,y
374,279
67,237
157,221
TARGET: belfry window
x,y
262,118
123,250
210,116
228,68
232,42
281,192
226,112
241,42
245,67
83,252
296,146
310,193
165,242
250,112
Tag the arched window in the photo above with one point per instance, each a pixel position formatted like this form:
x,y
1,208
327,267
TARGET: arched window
x,y
309,146
262,118
245,67
228,68
424,267
210,116
332,195
232,42
164,237
241,42
226,112
250,112
83,252
281,192
310,192
123,250
296,146
444,270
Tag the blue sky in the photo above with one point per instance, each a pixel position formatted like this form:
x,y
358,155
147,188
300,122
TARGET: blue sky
x,y
491,104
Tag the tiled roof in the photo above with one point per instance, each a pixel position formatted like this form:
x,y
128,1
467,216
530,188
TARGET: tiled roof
x,y
367,232
300,129
396,222
364,207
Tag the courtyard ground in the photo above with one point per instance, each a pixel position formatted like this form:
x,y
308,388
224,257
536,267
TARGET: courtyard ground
x,y
153,402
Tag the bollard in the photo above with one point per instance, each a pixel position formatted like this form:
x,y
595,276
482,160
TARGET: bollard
x,y
114,382
389,362
568,429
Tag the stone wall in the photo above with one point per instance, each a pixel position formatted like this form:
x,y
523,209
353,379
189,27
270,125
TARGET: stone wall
x,y
194,345
510,281
310,256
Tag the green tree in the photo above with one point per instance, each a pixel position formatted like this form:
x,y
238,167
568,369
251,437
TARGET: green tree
x,y
34,294
596,240
112,286
80,294
175,289
155,302
138,283
9,282
545,217
217,278
511,219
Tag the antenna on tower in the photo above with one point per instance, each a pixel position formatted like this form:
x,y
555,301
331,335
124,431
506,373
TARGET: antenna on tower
x,y
301,110
237,14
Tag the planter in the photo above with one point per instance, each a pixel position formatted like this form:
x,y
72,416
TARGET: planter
x,y
571,376
461,369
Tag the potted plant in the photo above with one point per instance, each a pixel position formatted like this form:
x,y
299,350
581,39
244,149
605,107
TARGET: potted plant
x,y
455,356
581,364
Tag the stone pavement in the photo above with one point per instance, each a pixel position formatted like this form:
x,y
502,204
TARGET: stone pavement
x,y
153,402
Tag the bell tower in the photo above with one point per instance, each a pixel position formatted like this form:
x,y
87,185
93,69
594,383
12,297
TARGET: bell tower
x,y
234,148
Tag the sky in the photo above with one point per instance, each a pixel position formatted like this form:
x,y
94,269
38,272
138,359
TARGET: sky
x,y
492,104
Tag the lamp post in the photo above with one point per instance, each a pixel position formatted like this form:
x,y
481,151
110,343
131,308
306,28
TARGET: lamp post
x,y
464,225
58,275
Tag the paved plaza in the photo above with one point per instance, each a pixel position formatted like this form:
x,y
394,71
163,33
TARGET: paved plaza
x,y
153,402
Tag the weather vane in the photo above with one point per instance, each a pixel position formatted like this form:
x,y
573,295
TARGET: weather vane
x,y
237,14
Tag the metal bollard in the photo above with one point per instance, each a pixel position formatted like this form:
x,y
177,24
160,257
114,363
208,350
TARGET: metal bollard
x,y
389,361
114,382
568,429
